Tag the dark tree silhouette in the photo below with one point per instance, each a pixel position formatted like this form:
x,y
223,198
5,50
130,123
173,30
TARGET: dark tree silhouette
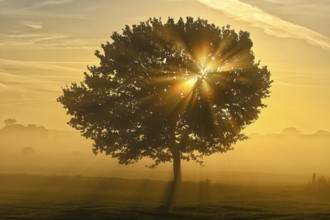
x,y
169,91
10,122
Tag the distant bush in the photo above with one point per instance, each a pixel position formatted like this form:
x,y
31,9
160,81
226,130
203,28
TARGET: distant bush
x,y
14,129
320,183
290,131
10,122
28,150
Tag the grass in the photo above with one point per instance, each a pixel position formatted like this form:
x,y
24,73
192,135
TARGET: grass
x,y
61,197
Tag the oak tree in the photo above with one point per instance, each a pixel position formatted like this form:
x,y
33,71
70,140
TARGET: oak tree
x,y
171,91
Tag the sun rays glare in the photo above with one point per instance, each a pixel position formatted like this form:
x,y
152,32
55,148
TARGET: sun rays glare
x,y
195,85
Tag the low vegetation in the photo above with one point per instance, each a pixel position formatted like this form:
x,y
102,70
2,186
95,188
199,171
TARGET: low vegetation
x,y
63,197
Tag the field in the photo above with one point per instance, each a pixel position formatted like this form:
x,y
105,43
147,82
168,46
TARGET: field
x,y
64,197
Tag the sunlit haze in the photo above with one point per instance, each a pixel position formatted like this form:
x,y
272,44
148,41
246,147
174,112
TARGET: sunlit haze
x,y
46,45
104,103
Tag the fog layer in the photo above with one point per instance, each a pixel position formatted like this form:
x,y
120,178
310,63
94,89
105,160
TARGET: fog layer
x,y
285,157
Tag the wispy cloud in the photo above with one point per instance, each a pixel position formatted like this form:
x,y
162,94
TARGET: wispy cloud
x,y
22,89
52,2
37,65
44,9
43,41
306,85
33,25
271,24
24,82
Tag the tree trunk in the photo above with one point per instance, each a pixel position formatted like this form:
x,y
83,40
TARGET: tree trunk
x,y
175,184
177,166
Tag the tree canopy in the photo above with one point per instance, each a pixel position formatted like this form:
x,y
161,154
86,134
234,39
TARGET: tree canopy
x,y
184,88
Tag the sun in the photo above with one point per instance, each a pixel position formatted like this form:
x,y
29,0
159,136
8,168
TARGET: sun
x,y
202,74
200,82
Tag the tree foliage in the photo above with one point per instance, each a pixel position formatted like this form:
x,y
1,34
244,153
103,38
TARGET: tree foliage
x,y
186,87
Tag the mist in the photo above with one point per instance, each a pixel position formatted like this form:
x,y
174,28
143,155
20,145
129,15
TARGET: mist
x,y
289,157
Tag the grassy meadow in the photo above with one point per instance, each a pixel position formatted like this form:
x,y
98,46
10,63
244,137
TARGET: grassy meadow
x,y
77,197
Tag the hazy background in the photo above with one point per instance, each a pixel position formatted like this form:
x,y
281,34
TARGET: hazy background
x,y
286,157
45,45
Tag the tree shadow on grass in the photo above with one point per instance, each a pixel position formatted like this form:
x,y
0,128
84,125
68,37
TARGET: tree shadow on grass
x,y
170,196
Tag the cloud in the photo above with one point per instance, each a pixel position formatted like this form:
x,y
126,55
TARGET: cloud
x,y
22,89
46,41
28,82
32,78
271,25
37,65
26,39
34,26
52,2
307,85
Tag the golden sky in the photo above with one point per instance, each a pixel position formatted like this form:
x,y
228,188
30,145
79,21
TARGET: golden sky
x,y
46,44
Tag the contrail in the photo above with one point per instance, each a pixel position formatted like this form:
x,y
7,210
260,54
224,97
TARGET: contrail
x,y
271,24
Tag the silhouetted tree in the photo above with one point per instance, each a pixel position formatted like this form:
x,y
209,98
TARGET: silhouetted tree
x,y
10,122
169,91
290,131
